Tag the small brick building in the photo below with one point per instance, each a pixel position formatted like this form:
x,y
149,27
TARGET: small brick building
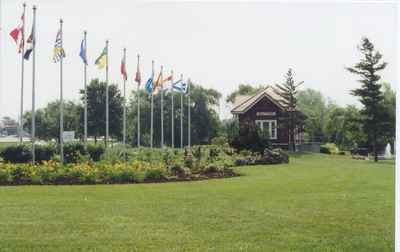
x,y
266,111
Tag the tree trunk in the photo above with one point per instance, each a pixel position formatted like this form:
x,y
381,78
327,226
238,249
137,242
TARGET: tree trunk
x,y
95,139
375,149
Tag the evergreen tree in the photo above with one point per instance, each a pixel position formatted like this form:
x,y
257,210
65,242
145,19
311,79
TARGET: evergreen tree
x,y
370,94
288,92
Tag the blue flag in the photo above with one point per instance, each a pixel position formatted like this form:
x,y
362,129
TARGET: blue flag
x,y
82,53
149,84
180,86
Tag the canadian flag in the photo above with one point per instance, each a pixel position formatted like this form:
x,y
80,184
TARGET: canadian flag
x,y
18,35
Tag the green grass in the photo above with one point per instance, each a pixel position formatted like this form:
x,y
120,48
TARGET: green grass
x,y
315,203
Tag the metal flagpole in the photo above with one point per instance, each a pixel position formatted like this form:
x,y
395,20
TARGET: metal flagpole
x,y
172,111
33,84
85,84
138,104
188,112
181,116
152,103
107,133
22,77
162,108
124,119
61,100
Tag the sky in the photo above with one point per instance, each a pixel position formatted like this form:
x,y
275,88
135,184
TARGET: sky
x,y
216,44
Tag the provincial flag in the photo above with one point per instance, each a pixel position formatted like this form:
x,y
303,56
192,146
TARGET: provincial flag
x,y
138,77
82,53
169,78
58,51
158,83
101,61
17,34
149,84
180,86
30,42
123,69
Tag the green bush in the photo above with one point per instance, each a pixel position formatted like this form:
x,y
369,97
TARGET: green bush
x,y
219,141
154,175
44,152
16,153
73,152
95,151
329,148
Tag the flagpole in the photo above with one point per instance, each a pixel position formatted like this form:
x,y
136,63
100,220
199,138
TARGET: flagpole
x,y
172,111
189,113
61,100
107,116
152,103
138,105
124,120
181,116
33,84
162,109
85,86
22,76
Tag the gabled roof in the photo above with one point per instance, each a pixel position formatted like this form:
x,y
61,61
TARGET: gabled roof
x,y
243,103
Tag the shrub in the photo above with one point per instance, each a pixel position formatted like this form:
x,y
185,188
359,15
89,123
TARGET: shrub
x,y
342,153
329,148
95,151
213,153
73,152
154,175
176,170
44,152
220,141
17,153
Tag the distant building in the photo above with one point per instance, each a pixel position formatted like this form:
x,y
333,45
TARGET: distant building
x,y
265,109
8,129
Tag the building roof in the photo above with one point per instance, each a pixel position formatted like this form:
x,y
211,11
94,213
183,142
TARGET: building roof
x,y
244,102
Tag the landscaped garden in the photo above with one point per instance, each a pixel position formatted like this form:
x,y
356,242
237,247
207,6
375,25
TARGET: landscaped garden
x,y
316,202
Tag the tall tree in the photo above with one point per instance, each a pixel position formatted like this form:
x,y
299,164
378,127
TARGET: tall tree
x,y
48,120
288,92
96,98
370,94
313,104
389,104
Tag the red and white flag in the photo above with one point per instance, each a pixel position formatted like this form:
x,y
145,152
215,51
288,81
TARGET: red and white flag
x,y
18,34
123,69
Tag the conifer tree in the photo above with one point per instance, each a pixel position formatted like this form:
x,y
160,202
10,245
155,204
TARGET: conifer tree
x,y
370,94
288,92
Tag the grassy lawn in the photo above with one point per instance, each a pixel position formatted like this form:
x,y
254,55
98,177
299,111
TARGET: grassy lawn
x,y
315,203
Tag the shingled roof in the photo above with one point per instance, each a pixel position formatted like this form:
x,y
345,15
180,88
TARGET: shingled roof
x,y
244,102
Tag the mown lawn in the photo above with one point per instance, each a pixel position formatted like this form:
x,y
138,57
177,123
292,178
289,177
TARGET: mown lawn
x,y
316,203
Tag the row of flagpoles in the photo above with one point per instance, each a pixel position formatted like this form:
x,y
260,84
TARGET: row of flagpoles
x,y
152,86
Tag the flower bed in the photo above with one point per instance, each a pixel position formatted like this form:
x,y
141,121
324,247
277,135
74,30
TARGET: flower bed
x,y
50,172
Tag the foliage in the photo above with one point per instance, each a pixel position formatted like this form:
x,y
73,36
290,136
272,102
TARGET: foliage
x,y
370,94
288,92
22,153
313,104
244,89
329,148
205,122
95,151
219,140
251,138
48,120
96,98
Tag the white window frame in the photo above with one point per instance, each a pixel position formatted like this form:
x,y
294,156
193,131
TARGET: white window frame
x,y
269,122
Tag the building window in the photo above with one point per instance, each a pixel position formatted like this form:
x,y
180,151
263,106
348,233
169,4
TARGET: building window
x,y
270,126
